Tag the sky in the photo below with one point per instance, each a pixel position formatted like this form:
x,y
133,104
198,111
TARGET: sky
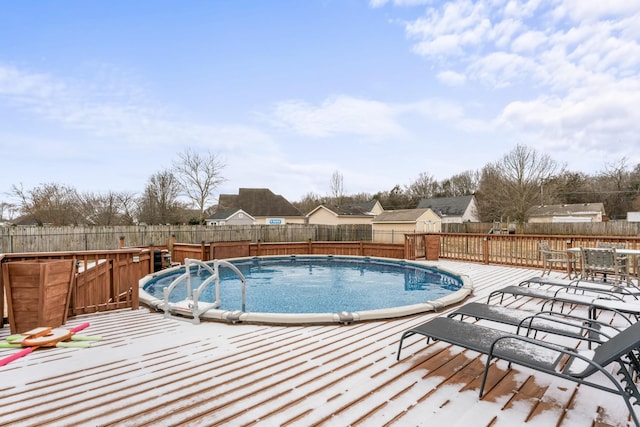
x,y
100,96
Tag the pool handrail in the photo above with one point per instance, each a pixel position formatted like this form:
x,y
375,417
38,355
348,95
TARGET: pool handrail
x,y
190,303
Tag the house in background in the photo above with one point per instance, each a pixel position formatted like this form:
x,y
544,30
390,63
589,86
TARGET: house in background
x,y
633,216
262,205
578,212
353,213
391,226
230,217
453,210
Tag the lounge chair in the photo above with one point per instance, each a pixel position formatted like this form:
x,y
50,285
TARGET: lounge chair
x,y
594,301
566,325
625,288
567,363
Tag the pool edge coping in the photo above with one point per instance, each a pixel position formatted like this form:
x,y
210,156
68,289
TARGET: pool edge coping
x,y
319,318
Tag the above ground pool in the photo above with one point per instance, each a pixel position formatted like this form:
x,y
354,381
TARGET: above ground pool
x,y
310,289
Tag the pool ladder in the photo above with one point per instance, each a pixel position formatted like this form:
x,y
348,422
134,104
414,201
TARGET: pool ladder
x,y
191,306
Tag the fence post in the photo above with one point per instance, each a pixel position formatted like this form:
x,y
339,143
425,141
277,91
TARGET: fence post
x,y
121,242
485,250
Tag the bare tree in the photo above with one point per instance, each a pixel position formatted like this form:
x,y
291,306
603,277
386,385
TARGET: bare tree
x,y
50,203
462,184
159,204
616,184
337,187
309,202
512,185
199,175
107,209
423,187
7,210
395,198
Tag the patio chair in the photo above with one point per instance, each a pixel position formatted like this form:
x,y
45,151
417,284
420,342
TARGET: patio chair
x,y
550,322
602,262
622,259
552,258
553,359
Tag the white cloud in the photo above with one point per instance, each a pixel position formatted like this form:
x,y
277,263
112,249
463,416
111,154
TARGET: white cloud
x,y
574,64
599,119
590,11
451,78
339,115
502,69
380,3
449,31
122,116
528,42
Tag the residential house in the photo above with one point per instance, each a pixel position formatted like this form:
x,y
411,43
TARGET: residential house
x,y
391,226
230,217
262,205
578,212
353,213
453,210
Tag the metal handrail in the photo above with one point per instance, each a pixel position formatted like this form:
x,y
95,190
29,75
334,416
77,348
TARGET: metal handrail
x,y
191,301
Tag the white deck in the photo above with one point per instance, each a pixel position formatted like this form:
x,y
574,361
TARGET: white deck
x,y
149,370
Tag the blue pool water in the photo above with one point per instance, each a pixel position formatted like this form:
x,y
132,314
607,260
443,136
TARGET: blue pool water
x,y
317,284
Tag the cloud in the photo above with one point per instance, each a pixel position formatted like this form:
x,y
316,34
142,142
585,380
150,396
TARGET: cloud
x,y
338,115
380,3
451,78
596,119
564,73
121,114
528,42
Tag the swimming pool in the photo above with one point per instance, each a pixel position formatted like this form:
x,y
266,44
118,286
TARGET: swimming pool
x,y
317,289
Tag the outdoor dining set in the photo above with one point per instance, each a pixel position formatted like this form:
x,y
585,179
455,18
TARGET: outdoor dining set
x,y
614,261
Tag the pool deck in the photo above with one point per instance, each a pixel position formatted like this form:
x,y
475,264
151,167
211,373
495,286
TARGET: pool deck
x,y
148,370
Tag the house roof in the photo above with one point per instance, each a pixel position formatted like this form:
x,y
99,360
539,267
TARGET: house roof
x,y
567,210
351,209
258,202
447,206
365,207
226,214
400,215
25,220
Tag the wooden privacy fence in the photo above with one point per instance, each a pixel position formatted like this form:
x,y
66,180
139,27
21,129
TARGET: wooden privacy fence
x,y
86,238
618,228
104,280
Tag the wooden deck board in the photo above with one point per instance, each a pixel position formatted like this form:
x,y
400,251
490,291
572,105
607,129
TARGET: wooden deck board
x,y
149,370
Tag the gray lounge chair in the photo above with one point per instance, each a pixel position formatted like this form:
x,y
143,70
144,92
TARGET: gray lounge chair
x,y
566,325
627,287
567,363
594,301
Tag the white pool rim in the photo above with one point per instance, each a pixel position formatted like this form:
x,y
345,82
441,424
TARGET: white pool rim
x,y
321,318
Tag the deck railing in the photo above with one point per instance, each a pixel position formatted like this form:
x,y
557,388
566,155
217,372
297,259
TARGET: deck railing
x,y
505,249
219,250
